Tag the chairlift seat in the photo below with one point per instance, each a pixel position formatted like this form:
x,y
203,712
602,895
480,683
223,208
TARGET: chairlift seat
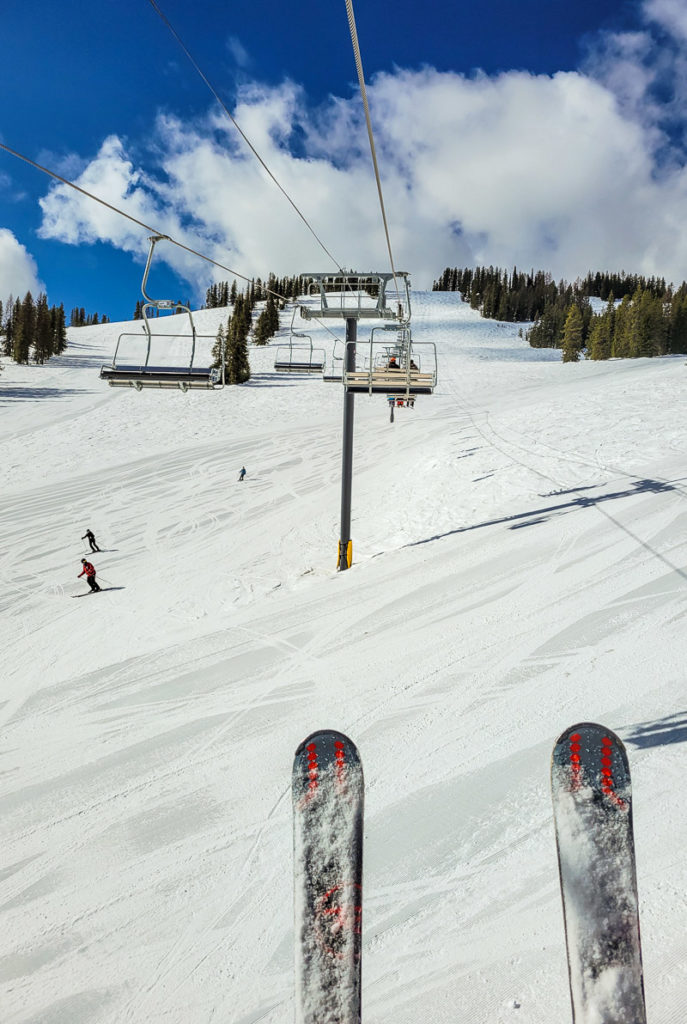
x,y
390,382
296,365
161,376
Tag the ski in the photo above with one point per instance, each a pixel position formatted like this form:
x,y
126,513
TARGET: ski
x,y
592,803
327,792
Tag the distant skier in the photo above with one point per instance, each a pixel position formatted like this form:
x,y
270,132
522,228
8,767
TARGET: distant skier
x,y
91,540
242,474
89,570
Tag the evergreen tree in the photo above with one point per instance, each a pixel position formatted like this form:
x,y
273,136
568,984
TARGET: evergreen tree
x,y
572,335
622,333
261,331
8,327
547,332
652,324
600,339
245,314
43,335
267,323
59,329
272,313
237,365
218,351
677,338
24,328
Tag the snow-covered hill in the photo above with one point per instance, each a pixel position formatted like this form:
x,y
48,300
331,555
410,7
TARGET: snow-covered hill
x,y
519,565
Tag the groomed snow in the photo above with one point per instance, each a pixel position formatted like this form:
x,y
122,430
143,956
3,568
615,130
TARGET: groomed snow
x,y
519,565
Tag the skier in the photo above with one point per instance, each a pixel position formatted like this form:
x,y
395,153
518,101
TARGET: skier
x,y
242,474
89,570
91,540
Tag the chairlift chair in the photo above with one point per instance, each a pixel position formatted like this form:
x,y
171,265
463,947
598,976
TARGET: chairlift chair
x,y
145,375
299,356
403,368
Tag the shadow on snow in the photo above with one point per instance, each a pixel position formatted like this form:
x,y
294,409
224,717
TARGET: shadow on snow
x,y
30,392
541,515
671,729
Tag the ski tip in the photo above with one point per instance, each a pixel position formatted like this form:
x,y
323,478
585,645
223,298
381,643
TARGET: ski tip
x,y
327,737
589,730
326,760
590,755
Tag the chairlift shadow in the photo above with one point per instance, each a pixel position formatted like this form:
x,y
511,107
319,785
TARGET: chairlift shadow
x,y
537,516
30,393
661,732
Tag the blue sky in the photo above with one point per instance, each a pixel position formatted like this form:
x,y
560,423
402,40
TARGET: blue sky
x,y
542,133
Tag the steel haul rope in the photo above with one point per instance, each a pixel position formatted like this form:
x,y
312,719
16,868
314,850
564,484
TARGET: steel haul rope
x,y
368,121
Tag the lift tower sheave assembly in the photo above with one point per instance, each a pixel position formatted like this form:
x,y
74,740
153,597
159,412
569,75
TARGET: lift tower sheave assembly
x,y
358,295
352,296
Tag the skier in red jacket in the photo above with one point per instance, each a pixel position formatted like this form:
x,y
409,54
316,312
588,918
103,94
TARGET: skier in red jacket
x,y
89,570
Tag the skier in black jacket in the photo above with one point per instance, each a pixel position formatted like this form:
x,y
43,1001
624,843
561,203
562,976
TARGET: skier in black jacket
x,y
91,540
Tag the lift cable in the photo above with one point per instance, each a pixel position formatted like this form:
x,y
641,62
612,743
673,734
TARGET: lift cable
x,y
363,92
153,230
245,138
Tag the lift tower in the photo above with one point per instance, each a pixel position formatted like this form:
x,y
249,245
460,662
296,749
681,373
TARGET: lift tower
x,y
354,296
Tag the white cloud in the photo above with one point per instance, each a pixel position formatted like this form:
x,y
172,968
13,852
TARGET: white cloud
x,y
671,15
18,270
238,52
111,176
566,172
646,70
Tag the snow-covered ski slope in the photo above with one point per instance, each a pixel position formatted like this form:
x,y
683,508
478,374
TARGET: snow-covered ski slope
x,y
520,565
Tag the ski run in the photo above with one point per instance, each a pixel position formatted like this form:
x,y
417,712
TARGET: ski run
x,y
518,573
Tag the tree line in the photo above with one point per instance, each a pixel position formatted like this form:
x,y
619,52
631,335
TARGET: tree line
x,y
80,318
220,294
30,329
642,324
643,316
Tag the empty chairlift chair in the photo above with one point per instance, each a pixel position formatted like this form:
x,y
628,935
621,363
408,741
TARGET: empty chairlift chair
x,y
146,375
299,356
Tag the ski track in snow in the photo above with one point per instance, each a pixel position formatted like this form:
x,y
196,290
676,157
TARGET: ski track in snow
x,y
519,565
